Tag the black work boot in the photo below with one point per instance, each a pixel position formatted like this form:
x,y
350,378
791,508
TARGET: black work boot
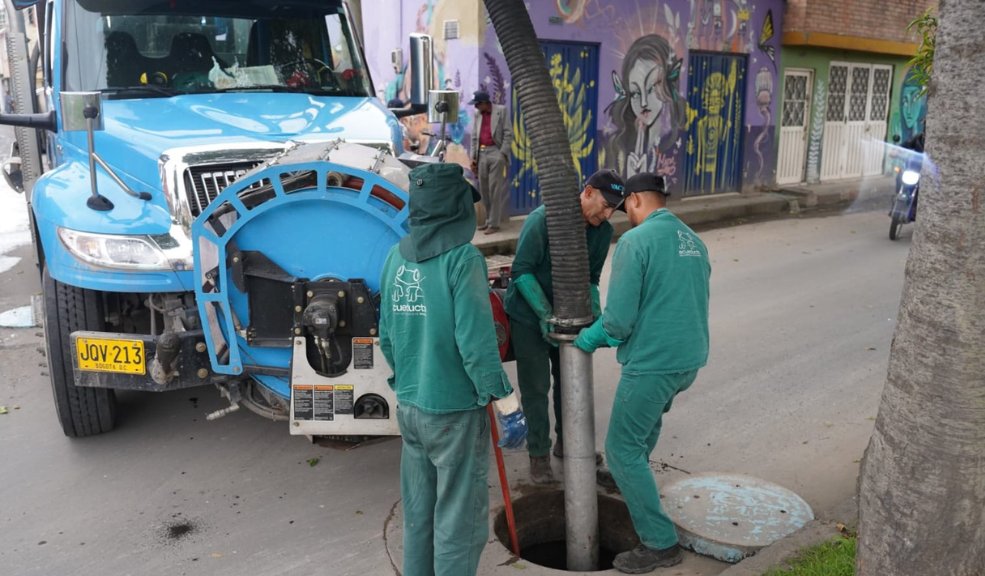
x,y
540,470
603,477
559,452
642,559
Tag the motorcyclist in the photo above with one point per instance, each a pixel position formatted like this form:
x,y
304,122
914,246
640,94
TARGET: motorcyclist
x,y
915,143
914,162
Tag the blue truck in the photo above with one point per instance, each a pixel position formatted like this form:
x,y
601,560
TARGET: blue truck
x,y
212,189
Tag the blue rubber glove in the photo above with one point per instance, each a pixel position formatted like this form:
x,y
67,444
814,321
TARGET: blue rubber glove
x,y
594,337
511,422
596,300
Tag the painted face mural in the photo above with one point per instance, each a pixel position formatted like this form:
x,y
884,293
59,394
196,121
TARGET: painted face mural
x,y
647,111
912,109
645,79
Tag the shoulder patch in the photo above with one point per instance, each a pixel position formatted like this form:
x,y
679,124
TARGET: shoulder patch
x,y
686,246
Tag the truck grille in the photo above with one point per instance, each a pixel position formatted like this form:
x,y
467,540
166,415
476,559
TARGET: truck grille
x,y
204,183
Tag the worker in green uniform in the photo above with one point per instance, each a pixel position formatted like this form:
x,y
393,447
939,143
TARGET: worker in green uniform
x,y
437,333
529,303
656,312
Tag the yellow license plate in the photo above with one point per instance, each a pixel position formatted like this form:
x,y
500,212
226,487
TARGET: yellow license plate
x,y
106,355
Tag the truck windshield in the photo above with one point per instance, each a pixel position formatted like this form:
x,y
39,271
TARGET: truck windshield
x,y
159,48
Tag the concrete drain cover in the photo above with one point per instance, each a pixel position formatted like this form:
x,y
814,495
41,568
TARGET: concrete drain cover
x,y
731,516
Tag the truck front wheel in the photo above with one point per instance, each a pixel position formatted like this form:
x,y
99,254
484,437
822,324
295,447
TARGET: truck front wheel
x,y
81,411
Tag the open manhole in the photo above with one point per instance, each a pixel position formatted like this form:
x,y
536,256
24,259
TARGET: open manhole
x,y
541,530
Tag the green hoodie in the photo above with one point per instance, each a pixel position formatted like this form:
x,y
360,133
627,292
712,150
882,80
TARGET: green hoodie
x,y
436,326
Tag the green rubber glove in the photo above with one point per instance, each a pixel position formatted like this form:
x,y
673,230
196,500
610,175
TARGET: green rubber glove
x,y
531,291
596,300
594,337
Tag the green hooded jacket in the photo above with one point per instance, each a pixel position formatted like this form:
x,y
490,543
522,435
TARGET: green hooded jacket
x,y
436,324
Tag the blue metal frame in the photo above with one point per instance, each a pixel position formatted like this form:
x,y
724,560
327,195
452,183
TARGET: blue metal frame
x,y
714,160
319,209
524,186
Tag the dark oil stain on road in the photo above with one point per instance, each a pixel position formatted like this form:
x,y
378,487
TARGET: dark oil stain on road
x,y
177,529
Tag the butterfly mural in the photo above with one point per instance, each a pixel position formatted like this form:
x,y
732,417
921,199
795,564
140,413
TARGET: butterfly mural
x,y
766,35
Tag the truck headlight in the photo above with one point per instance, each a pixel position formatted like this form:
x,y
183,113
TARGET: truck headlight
x,y
112,251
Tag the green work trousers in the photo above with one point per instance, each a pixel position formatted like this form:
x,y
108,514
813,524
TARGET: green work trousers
x,y
444,464
634,427
536,362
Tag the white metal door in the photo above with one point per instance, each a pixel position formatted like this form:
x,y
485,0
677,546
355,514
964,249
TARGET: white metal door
x,y
875,149
793,126
833,144
856,120
859,83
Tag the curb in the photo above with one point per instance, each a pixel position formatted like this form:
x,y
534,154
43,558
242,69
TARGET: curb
x,y
785,550
727,208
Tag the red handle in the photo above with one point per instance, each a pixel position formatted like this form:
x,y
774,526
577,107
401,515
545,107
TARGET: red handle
x,y
510,521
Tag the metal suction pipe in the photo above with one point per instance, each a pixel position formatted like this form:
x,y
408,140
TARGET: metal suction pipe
x,y
580,495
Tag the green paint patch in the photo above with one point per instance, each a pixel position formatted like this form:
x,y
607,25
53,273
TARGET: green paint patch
x,y
832,558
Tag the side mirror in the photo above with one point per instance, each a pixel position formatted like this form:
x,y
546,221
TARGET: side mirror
x,y
422,68
78,108
422,74
83,111
442,106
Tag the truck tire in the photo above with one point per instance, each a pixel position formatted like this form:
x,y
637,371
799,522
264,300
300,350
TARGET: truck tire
x,y
81,411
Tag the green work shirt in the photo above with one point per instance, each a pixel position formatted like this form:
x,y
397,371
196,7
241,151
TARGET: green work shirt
x,y
658,297
437,332
534,257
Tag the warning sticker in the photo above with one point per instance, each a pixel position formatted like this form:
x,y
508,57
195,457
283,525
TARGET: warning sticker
x,y
302,402
362,353
344,399
323,404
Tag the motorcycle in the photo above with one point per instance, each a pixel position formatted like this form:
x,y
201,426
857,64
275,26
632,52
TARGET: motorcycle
x,y
904,206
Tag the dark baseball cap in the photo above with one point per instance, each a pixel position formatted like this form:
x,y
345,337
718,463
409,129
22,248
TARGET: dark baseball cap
x,y
479,96
646,182
611,186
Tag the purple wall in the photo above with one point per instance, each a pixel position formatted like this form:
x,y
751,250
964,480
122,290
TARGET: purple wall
x,y
630,135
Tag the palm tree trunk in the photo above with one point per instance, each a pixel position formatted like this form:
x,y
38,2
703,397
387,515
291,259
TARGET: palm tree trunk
x,y
922,486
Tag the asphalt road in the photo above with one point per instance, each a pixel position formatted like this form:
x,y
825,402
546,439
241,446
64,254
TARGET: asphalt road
x,y
802,315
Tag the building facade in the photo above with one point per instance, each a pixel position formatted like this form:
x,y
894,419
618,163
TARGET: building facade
x,y
694,90
847,89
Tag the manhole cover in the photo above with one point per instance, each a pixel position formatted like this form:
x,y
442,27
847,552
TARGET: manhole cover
x,y
731,516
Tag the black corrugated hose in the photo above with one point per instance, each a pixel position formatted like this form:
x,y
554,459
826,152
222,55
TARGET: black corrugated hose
x,y
556,170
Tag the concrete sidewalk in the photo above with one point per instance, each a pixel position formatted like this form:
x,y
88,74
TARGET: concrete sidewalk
x,y
735,208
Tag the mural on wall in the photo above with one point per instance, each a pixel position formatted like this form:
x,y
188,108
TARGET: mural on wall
x,y
494,83
644,55
763,144
716,99
648,111
720,25
817,132
572,68
912,108
571,96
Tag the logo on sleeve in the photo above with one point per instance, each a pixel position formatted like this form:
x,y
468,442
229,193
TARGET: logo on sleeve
x,y
686,245
408,295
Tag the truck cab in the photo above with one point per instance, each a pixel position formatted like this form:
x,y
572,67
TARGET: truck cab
x,y
213,189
